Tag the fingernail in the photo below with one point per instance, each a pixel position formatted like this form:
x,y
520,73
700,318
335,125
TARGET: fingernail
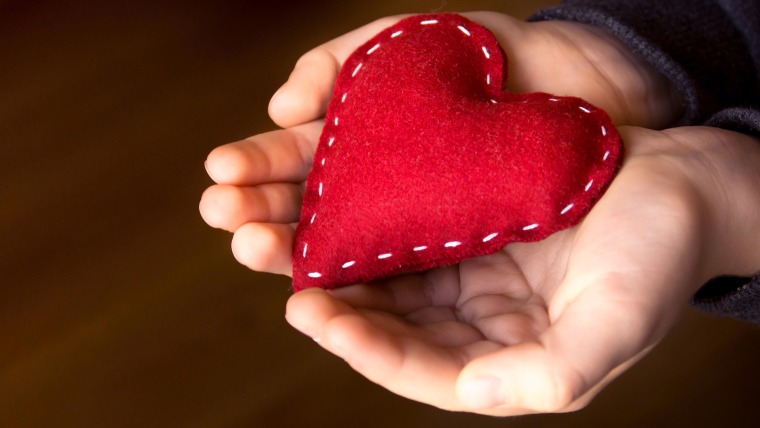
x,y
482,392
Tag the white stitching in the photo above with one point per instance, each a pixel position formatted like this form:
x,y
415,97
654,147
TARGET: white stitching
x,y
490,237
450,244
356,70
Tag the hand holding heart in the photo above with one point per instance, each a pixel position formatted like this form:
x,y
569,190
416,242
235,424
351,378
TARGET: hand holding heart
x,y
538,326
425,161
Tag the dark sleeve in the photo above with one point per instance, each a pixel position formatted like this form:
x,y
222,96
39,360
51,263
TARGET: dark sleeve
x,y
710,49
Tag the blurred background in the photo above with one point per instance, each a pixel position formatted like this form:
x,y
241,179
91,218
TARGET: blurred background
x,y
120,307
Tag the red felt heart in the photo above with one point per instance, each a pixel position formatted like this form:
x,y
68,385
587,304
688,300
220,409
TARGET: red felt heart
x,y
424,160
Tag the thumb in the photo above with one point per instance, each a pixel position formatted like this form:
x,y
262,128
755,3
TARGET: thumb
x,y
592,341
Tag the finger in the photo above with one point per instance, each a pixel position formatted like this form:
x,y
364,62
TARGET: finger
x,y
279,156
405,294
264,247
401,363
304,97
229,207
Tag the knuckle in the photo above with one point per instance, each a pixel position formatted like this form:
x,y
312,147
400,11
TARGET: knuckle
x,y
567,385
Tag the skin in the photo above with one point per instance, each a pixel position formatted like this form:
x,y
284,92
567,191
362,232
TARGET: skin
x,y
537,327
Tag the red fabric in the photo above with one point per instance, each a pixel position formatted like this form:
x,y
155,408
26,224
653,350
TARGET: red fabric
x,y
424,161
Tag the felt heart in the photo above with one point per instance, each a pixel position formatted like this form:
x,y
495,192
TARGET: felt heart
x,y
425,161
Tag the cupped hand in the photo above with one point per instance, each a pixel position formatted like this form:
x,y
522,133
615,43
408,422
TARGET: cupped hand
x,y
558,57
535,327
542,327
260,180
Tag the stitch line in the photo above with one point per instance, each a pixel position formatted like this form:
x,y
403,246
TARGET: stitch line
x,y
490,237
450,244
356,70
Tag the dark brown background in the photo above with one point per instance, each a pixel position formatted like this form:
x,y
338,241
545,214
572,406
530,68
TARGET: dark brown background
x,y
119,307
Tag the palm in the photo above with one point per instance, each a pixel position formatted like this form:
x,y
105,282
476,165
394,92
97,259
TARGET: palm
x,y
597,285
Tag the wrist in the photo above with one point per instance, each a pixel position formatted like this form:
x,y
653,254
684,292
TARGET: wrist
x,y
723,166
641,95
648,98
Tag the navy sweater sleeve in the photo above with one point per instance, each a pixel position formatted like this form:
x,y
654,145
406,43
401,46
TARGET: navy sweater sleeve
x,y
710,50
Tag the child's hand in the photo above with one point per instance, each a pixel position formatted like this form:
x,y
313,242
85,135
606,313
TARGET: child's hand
x,y
542,327
562,58
548,322
259,191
